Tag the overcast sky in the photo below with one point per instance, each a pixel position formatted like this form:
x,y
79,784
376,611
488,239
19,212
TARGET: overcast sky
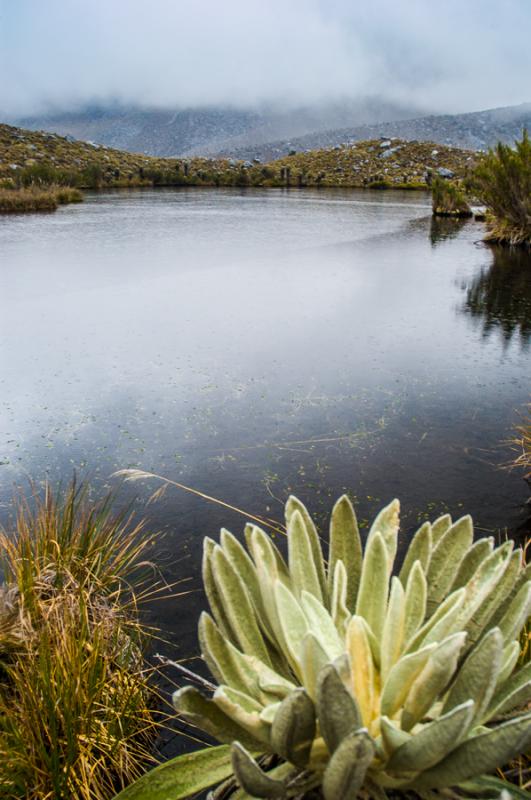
x,y
454,55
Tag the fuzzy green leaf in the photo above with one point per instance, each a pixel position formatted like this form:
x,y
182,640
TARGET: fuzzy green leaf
x,y
293,728
478,675
514,693
251,777
313,659
238,606
322,625
302,566
214,599
516,615
345,545
372,596
243,709
362,673
479,551
224,660
338,711
441,623
393,629
439,528
294,505
446,559
392,736
419,549
435,676
485,590
511,654
348,766
208,716
338,601
482,753
182,777
415,601
517,574
386,524
401,679
431,744
245,568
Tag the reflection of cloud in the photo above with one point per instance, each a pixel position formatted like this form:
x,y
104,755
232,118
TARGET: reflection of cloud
x,y
500,297
241,52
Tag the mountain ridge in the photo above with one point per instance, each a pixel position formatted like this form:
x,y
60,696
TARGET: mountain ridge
x,y
475,130
270,135
206,131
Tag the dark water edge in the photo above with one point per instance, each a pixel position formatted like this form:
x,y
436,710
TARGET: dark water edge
x,y
253,344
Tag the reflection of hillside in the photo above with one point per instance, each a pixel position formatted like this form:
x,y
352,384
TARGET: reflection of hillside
x,y
443,228
500,297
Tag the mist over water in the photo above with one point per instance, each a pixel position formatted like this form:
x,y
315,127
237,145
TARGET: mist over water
x,y
256,343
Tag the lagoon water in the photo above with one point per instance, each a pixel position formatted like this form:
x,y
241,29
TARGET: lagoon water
x,y
255,343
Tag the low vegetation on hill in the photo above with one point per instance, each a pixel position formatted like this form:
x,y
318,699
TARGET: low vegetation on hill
x,y
387,163
29,158
36,158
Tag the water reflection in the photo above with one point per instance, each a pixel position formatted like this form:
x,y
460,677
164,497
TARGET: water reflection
x,y
444,228
499,298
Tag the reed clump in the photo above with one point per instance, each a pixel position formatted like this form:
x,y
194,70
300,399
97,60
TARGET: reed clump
x,y
36,198
76,703
502,180
522,445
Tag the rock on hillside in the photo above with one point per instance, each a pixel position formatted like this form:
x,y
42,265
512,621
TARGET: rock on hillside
x,y
377,163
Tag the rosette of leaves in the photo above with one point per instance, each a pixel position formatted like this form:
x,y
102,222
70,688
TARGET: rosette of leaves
x,y
339,677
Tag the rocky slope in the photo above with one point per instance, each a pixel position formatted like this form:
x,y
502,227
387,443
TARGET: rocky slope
x,y
475,131
35,157
271,134
211,130
39,157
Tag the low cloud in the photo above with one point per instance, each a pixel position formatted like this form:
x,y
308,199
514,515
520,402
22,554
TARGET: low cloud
x,y
450,56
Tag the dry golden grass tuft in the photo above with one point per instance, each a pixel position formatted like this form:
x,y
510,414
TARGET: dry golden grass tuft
x,y
76,699
22,200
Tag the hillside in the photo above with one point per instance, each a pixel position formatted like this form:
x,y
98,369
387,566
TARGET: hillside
x,y
208,131
272,134
474,131
27,156
35,157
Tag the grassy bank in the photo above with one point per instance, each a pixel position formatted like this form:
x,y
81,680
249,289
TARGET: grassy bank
x,y
34,198
75,719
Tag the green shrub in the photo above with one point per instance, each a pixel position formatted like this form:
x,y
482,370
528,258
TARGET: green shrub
x,y
502,181
44,175
448,200
338,679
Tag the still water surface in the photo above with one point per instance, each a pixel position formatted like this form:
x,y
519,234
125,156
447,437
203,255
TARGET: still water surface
x,y
251,344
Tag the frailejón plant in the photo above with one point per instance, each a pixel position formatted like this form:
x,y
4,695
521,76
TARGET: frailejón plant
x,y
343,677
